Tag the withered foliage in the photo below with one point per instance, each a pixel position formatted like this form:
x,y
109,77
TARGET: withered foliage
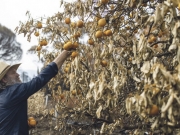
x,y
126,77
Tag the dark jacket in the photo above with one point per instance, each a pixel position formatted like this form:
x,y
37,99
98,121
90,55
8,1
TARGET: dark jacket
x,y
13,102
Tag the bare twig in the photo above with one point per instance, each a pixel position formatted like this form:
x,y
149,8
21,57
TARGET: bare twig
x,y
163,54
158,43
85,66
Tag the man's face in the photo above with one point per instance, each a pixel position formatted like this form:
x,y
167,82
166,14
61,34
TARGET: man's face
x,y
11,77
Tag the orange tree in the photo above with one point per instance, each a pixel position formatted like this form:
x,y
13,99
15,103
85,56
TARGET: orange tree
x,y
124,70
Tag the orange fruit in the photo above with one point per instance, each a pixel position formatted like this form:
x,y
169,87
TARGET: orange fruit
x,y
66,69
75,45
156,90
91,42
74,54
104,63
36,34
108,32
97,18
149,41
152,39
130,59
44,42
78,6
41,43
68,46
178,6
155,46
32,122
31,118
104,1
112,7
39,25
73,92
69,43
78,34
67,21
61,96
79,92
102,22
154,110
80,24
98,34
38,48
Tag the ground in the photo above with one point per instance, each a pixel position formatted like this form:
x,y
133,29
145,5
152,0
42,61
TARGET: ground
x,y
38,109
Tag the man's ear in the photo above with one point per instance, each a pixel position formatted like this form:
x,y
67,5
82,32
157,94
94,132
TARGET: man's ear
x,y
4,80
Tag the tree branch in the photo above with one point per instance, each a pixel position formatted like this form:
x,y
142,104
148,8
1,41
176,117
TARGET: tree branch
x,y
163,54
85,66
158,43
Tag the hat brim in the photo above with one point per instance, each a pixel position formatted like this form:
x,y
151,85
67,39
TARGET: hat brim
x,y
16,66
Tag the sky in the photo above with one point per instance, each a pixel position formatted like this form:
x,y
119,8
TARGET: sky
x,y
13,11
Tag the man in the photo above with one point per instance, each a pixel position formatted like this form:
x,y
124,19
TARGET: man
x,y
14,94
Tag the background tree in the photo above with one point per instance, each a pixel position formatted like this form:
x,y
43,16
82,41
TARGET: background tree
x,y
10,49
125,77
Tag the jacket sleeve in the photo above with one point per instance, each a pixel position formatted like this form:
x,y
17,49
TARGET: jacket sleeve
x,y
31,87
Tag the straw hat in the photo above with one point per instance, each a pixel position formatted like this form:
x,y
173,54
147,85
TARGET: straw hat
x,y
4,67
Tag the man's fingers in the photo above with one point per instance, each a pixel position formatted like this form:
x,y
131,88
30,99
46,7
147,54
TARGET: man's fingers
x,y
69,52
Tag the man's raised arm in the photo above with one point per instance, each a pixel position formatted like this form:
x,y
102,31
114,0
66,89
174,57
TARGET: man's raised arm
x,y
59,60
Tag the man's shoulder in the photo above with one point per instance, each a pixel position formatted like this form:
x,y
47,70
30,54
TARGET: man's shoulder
x,y
10,89
10,93
14,86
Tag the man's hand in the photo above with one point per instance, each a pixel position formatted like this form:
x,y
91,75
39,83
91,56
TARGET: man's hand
x,y
62,57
